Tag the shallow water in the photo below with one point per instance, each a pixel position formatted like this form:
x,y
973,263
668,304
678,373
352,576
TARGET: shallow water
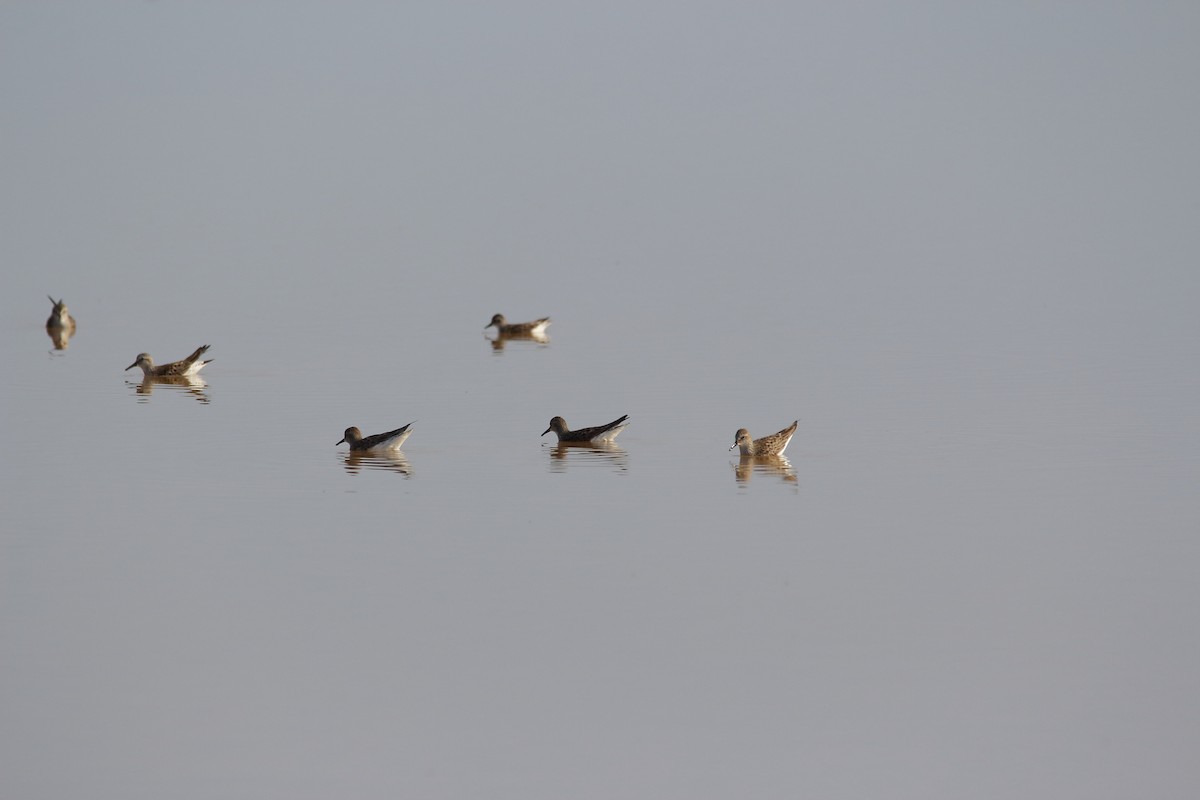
x,y
972,575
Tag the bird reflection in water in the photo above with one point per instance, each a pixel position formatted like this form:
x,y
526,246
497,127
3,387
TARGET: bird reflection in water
x,y
588,454
777,466
355,461
191,384
60,337
498,341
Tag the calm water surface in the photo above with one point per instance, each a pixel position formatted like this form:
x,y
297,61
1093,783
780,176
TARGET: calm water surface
x,y
976,551
959,247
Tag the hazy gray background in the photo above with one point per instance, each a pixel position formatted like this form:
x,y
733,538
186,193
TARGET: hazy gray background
x,y
958,241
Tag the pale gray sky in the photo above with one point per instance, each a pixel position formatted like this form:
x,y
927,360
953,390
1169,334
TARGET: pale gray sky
x,y
878,137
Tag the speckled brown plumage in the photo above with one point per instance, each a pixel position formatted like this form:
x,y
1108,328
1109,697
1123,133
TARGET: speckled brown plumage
x,y
535,328
60,318
772,445
188,366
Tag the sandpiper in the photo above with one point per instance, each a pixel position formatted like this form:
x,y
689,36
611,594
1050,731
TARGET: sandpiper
x,y
176,369
535,328
60,318
380,441
600,433
772,445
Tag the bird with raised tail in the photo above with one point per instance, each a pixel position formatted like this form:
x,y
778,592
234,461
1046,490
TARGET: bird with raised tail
x,y
504,328
600,433
379,441
772,445
176,369
60,317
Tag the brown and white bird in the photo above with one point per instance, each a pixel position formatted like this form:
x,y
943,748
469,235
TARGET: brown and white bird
x,y
60,318
176,369
600,433
379,441
772,445
535,328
